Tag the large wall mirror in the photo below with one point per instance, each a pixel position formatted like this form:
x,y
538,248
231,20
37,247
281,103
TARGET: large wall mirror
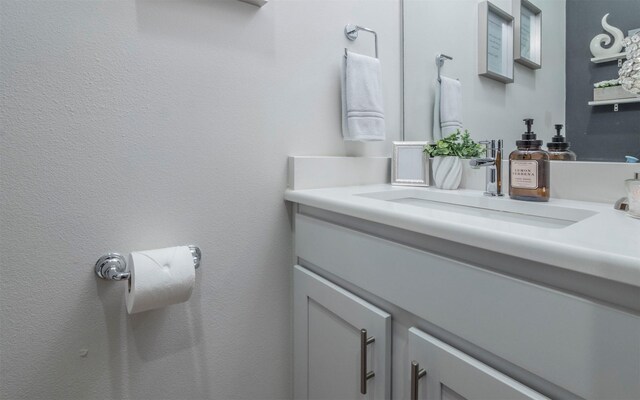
x,y
556,93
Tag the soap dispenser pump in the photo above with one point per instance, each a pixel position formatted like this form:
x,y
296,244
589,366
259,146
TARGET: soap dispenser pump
x,y
529,172
559,148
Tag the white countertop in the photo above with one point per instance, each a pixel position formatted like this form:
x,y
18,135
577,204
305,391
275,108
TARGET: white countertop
x,y
605,245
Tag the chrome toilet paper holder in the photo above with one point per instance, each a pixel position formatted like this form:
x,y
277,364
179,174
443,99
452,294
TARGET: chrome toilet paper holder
x,y
113,266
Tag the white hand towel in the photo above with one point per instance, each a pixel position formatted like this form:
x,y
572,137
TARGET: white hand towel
x,y
437,131
447,108
362,104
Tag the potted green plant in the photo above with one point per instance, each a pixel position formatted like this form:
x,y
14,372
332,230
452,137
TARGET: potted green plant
x,y
610,90
446,154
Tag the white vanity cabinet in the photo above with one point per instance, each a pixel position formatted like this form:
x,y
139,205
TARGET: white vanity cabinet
x,y
342,344
342,350
455,310
442,372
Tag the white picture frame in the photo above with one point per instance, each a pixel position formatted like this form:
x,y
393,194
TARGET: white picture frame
x,y
409,164
527,43
495,43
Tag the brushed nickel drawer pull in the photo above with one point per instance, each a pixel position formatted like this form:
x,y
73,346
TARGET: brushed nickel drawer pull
x,y
364,375
416,374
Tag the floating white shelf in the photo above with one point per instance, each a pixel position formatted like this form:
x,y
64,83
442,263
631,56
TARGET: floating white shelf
x,y
598,60
614,101
258,3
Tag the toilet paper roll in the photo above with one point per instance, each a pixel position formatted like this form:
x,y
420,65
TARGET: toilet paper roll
x,y
159,278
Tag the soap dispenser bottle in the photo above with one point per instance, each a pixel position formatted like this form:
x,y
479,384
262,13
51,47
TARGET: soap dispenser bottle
x,y
529,174
559,148
633,193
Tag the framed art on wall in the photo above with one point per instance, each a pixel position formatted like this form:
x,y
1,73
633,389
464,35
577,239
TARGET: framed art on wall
x,y
495,43
527,45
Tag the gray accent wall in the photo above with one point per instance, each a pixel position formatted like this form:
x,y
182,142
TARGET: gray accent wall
x,y
598,133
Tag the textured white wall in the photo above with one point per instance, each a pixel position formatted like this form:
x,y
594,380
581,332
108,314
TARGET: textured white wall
x,y
131,125
491,109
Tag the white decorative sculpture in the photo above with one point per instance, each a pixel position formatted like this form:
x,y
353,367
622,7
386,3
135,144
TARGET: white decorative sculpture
x,y
630,71
597,42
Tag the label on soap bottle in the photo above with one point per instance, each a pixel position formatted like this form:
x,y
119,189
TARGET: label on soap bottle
x,y
524,174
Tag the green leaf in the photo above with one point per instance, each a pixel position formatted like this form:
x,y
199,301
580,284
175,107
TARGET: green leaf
x,y
457,144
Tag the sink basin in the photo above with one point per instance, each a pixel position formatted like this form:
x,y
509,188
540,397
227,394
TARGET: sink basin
x,y
495,208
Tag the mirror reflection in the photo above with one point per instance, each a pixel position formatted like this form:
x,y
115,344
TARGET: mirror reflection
x,y
560,92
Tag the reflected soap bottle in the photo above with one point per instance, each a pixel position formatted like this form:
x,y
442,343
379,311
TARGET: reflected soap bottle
x,y
633,195
529,174
559,148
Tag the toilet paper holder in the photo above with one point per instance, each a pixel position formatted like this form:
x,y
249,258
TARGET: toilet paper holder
x,y
113,266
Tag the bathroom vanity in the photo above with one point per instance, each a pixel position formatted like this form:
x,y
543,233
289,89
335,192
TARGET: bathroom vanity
x,y
422,293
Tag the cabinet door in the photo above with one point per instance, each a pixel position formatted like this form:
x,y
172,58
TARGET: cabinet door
x,y
454,375
328,349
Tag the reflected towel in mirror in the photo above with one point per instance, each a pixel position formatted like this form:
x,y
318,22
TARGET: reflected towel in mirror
x,y
447,108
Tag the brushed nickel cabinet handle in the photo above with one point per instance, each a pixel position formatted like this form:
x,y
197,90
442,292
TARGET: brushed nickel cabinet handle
x,y
416,374
364,375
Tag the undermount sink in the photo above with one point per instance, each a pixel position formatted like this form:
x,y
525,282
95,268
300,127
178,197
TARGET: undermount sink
x,y
496,208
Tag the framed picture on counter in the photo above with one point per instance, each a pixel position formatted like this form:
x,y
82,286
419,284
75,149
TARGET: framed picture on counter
x,y
495,43
527,46
409,164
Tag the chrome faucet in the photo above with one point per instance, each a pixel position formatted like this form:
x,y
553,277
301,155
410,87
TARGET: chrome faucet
x,y
493,163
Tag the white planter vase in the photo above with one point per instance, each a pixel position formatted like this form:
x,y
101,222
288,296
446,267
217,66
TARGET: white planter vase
x,y
447,172
611,93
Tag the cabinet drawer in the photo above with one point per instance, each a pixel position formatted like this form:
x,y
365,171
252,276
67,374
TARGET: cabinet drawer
x,y
585,347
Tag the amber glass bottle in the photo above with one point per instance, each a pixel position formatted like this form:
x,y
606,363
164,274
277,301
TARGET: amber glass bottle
x,y
529,176
559,148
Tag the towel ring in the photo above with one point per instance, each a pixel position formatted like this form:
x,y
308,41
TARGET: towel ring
x,y
351,32
440,59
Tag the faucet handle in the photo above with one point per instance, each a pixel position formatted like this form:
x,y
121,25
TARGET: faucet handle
x,y
476,163
493,146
